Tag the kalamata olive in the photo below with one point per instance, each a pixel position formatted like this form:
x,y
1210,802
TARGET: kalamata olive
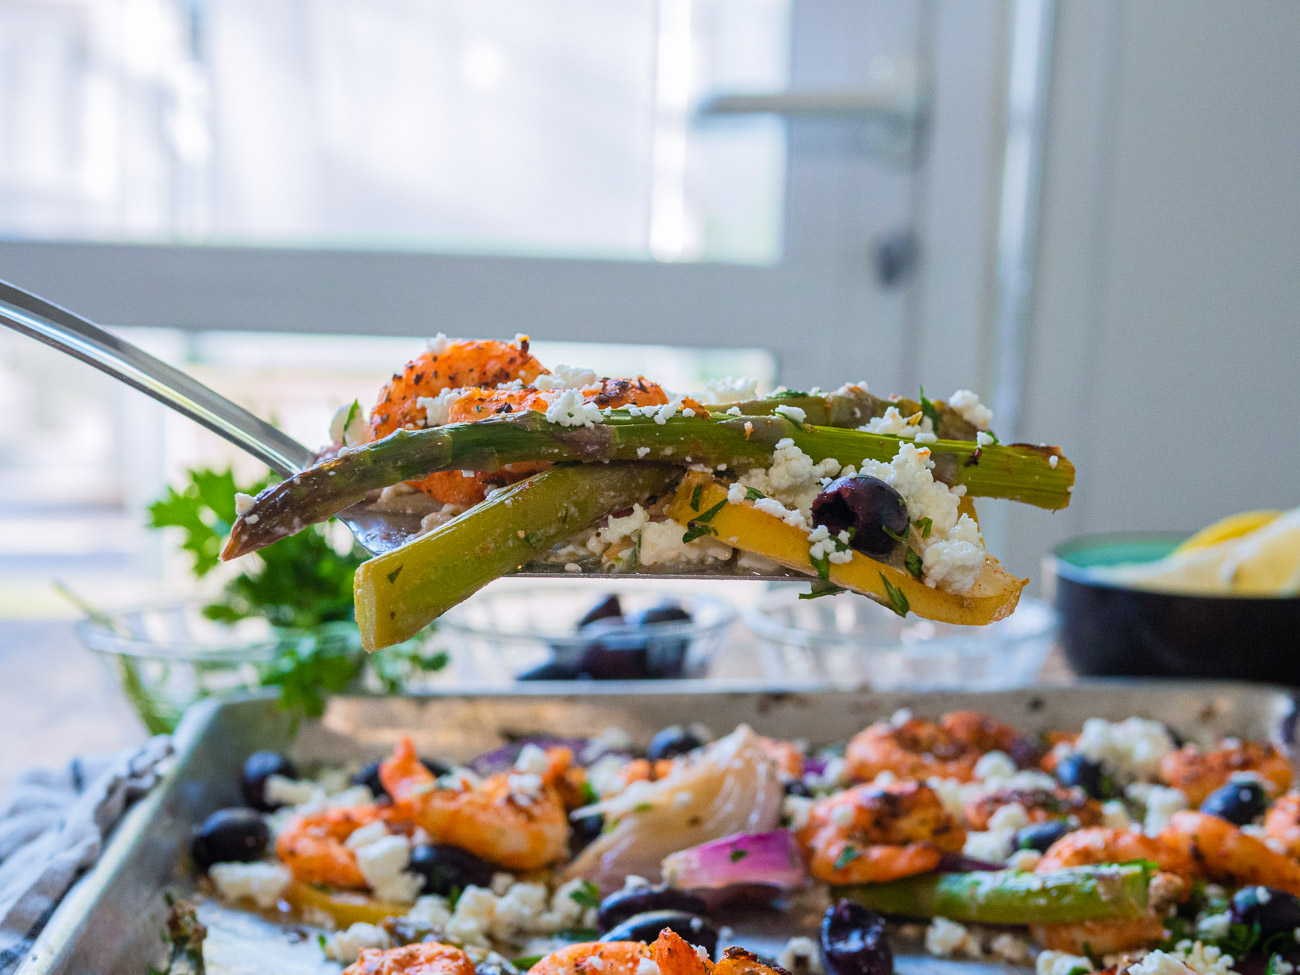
x,y
584,831
1079,770
646,927
1240,801
631,902
614,654
230,835
798,787
1272,909
854,942
1039,836
676,739
875,513
445,868
551,670
259,767
665,612
608,608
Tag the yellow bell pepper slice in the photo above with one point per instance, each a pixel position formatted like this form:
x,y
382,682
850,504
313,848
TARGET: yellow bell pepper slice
x,y
992,597
346,907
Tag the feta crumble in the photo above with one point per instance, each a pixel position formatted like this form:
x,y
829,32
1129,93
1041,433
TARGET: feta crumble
x,y
1132,747
570,409
437,408
566,377
732,389
795,413
1061,963
243,503
945,938
346,946
801,954
532,758
971,409
894,424
262,883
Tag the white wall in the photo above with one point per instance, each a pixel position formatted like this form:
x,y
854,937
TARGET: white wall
x,y
1164,354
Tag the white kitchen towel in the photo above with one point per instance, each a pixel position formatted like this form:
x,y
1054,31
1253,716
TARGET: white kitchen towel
x,y
53,825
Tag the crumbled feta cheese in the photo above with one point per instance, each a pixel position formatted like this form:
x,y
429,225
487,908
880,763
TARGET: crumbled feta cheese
x,y
1214,927
1024,861
993,844
283,791
430,909
383,859
1060,963
994,766
661,543
367,834
796,810
641,452
666,412
1012,817
801,954
532,758
1132,747
1161,803
501,882
842,816
895,424
983,439
566,377
346,946
1052,461
617,529
349,425
646,967
472,920
605,776
573,567
439,344
702,953
732,389
570,409
243,503
1114,815
263,883
525,788
520,910
823,545
945,938
795,413
1010,948
971,409
437,408
566,909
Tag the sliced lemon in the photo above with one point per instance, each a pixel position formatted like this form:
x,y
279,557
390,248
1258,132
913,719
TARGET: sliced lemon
x,y
1267,561
1225,529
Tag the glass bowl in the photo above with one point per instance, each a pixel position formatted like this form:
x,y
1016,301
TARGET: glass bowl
x,y
851,641
168,657
529,631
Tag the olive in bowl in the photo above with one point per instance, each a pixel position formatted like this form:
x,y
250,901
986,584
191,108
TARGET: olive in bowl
x,y
230,836
1112,629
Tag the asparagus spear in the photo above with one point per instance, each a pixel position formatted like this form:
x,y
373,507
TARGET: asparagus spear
x,y
851,406
1010,897
401,591
1035,475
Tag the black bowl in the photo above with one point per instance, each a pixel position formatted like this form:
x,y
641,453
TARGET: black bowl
x,y
1113,630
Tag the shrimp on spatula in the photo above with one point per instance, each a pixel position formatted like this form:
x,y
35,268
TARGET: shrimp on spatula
x,y
511,465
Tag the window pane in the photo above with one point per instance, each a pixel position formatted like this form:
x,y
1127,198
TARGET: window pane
x,y
561,128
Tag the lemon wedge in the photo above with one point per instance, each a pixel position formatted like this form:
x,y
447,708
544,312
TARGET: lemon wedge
x,y
1225,529
1267,561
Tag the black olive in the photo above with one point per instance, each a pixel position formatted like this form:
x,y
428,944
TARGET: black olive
x,y
608,608
1039,836
665,655
630,902
666,612
1272,909
797,787
646,927
854,942
676,739
1078,770
584,831
434,766
873,512
1238,802
551,670
259,767
445,868
230,835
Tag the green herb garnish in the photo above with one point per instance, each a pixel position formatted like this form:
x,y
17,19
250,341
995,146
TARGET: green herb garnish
x,y
847,856
897,601
924,526
913,563
735,856
929,410
588,895
820,588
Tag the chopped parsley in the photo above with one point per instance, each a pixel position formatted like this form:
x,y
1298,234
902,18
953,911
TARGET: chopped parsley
x,y
847,856
924,526
708,515
696,492
735,856
697,530
897,601
823,566
893,534
392,576
588,895
913,563
929,410
754,494
820,588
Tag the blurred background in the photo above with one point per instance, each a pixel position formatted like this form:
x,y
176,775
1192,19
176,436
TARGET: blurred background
x,y
1089,212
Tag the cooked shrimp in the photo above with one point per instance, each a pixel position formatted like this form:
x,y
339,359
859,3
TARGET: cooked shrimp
x,y
1282,824
478,404
912,749
1101,937
644,770
867,834
1226,855
786,754
518,825
738,961
594,958
675,956
1040,804
424,958
455,366
314,848
984,733
1100,844
1199,773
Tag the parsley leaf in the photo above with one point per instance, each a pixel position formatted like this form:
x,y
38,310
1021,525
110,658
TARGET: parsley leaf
x,y
696,530
708,515
924,526
695,496
735,856
897,601
913,563
893,534
928,409
754,494
588,895
847,856
820,588
823,566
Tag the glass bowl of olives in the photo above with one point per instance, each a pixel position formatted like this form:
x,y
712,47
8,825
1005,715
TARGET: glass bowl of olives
x,y
847,640
582,631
